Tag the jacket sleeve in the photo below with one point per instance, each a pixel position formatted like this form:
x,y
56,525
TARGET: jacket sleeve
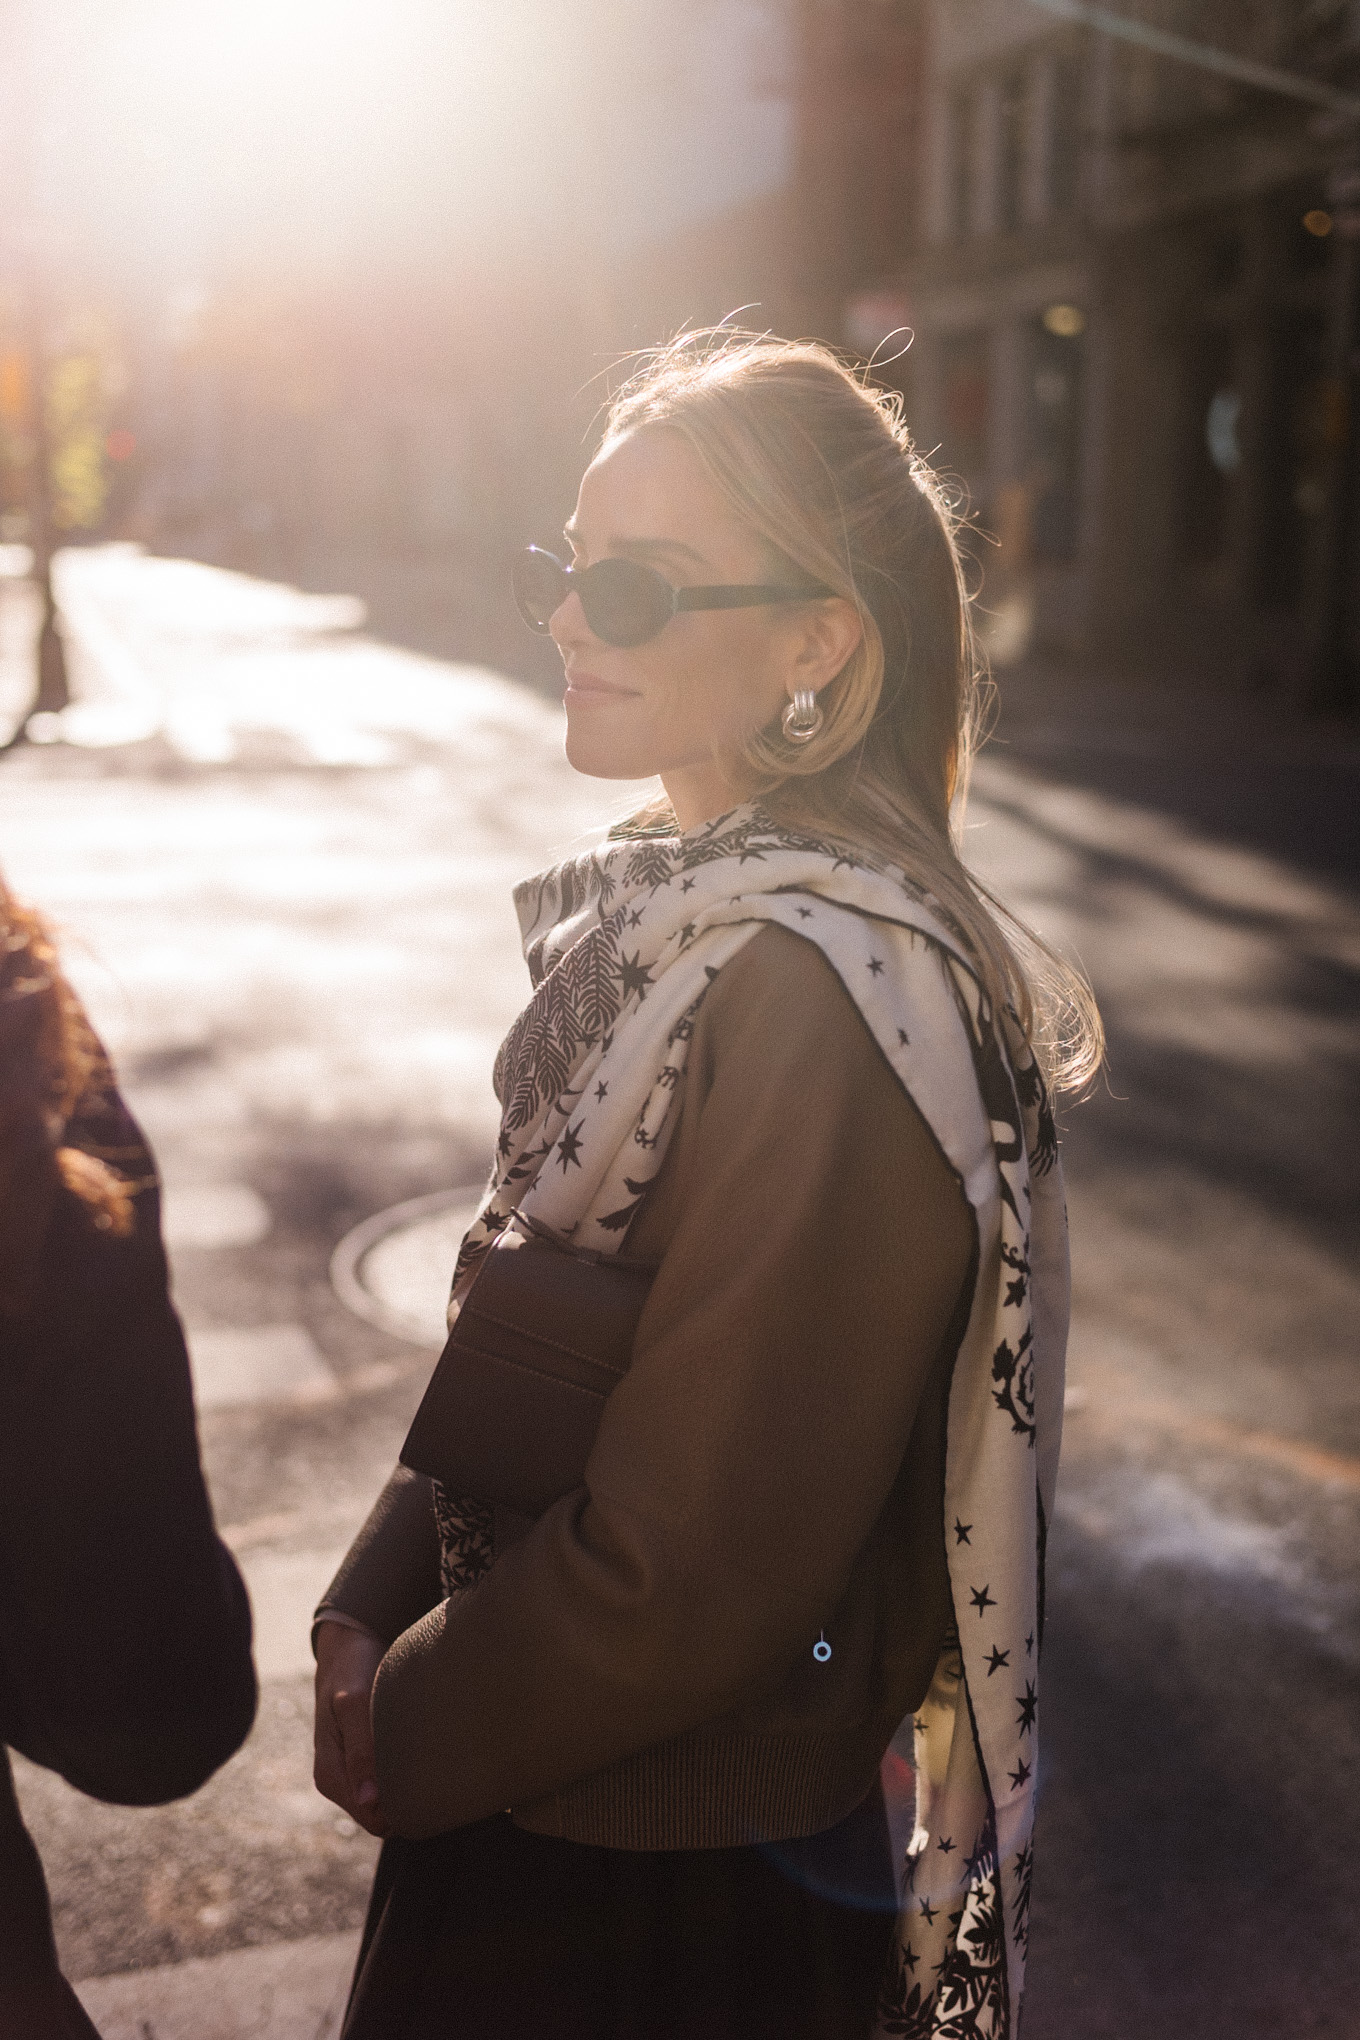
x,y
821,1245
125,1632
390,1574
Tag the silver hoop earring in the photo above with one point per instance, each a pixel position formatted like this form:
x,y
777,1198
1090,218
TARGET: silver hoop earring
x,y
802,718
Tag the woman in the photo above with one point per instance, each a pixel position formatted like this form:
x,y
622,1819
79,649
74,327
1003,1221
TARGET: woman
x,y
783,1051
124,1626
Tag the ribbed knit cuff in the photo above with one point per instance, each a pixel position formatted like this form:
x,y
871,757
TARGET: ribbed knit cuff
x,y
712,1792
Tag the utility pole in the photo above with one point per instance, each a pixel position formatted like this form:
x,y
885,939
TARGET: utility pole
x,y
52,691
26,265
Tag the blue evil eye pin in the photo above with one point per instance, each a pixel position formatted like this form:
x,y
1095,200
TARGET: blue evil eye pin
x,y
821,1649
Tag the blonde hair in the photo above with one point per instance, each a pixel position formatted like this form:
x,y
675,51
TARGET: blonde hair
x,y
821,466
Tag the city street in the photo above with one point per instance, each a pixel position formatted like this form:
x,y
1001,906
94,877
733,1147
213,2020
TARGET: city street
x,y
280,851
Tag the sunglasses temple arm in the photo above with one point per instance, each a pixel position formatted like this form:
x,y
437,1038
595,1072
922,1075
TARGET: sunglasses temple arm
x,y
751,597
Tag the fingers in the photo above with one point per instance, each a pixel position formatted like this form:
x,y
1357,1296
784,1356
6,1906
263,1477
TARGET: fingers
x,y
345,1764
349,1782
353,1717
328,1759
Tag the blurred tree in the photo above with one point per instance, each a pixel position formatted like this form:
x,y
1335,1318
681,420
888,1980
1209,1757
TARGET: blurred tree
x,y
16,444
78,479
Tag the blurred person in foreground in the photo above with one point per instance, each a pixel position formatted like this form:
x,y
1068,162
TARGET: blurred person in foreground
x,y
125,1631
784,1054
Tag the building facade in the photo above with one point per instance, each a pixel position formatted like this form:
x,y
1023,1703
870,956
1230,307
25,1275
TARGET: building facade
x,y
1132,281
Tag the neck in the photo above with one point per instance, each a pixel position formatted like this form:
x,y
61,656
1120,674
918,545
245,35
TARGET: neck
x,y
699,792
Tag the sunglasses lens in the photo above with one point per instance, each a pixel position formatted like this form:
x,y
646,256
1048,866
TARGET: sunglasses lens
x,y
625,604
540,586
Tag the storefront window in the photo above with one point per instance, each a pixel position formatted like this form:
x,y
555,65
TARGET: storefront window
x,y
1014,112
1213,447
1065,136
967,403
1306,430
1057,362
962,124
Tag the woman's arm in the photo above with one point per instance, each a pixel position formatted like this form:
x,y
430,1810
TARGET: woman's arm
x,y
390,1574
389,1579
820,1249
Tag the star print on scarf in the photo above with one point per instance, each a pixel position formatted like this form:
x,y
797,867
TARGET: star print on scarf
x,y
622,945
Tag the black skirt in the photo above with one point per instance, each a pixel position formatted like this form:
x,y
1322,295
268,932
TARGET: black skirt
x,y
491,1933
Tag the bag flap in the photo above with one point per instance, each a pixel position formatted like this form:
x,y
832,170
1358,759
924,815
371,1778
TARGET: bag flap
x,y
585,1308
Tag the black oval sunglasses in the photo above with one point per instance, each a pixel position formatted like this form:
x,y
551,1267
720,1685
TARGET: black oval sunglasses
x,y
626,604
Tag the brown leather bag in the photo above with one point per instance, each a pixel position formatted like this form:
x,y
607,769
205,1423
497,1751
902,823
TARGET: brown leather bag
x,y
544,1336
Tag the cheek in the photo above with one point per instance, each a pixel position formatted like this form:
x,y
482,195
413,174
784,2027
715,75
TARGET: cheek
x,y
739,678
700,689
711,689
661,723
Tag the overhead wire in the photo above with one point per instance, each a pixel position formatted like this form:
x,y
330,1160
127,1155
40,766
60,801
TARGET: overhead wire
x,y
1244,70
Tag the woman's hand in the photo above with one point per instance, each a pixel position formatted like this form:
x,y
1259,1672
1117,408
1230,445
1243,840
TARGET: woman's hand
x,y
345,1767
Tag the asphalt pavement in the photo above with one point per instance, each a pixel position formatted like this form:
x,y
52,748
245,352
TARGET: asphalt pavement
x,y
281,850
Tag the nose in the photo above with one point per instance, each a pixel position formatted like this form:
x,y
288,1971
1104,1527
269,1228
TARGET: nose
x,y
567,625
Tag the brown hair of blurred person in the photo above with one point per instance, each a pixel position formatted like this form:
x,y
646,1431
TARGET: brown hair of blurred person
x,y
49,1061
821,466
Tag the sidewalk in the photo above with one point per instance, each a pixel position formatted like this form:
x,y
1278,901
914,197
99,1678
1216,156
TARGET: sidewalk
x,y
295,1990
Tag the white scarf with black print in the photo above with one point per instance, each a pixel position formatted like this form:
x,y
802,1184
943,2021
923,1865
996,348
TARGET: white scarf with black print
x,y
622,944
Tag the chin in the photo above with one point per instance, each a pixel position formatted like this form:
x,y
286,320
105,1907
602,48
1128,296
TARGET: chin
x,y
591,753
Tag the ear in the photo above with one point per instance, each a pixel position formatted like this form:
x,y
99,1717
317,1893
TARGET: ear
x,y
830,635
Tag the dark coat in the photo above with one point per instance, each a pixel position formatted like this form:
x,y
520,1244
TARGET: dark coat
x,y
125,1630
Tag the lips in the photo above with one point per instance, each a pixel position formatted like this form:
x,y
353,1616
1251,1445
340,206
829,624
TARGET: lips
x,y
590,687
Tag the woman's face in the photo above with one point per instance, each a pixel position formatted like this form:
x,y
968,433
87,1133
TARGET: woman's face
x,y
679,705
